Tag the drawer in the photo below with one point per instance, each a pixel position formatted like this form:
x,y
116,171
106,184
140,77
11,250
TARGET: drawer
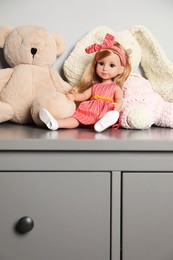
x,y
147,215
70,213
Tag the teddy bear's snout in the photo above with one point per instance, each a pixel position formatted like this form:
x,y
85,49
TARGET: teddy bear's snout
x,y
33,51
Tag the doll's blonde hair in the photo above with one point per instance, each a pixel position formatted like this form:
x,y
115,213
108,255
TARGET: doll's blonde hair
x,y
90,77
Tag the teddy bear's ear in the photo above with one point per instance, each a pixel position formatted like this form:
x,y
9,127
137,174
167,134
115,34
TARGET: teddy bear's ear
x,y
59,42
4,32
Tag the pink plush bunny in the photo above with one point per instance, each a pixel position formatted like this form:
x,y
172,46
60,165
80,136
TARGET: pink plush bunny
x,y
143,107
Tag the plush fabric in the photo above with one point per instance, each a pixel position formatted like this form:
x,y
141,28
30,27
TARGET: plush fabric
x,y
142,106
158,69
31,82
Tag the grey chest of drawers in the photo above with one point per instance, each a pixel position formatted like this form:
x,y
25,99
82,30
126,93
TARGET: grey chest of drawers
x,y
77,195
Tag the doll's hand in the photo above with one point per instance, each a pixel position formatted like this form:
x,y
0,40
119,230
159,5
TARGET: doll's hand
x,y
71,96
117,106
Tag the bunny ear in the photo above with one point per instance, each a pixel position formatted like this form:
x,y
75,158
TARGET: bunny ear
x,y
157,68
4,32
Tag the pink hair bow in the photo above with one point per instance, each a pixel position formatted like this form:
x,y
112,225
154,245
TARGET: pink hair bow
x,y
108,43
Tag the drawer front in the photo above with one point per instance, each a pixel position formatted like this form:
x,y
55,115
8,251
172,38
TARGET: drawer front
x,y
70,214
147,216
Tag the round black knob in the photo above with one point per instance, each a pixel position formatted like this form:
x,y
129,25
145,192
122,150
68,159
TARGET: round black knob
x,y
24,225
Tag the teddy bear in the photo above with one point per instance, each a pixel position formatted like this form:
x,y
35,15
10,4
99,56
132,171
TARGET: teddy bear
x,y
145,100
31,82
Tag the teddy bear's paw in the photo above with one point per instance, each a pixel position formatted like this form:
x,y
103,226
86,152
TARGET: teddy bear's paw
x,y
140,118
6,112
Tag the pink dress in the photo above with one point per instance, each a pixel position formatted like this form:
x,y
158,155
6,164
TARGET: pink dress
x,y
90,111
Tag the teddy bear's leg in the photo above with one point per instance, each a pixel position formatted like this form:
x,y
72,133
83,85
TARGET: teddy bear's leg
x,y
6,112
56,103
136,116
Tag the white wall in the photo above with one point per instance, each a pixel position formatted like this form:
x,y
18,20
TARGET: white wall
x,y
74,18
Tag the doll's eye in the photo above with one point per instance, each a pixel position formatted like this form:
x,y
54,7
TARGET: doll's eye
x,y
112,65
101,63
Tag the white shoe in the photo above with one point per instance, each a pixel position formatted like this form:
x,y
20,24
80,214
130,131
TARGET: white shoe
x,y
109,119
48,119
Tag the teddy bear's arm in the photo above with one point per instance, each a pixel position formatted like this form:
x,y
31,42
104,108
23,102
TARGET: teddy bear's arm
x,y
59,83
5,75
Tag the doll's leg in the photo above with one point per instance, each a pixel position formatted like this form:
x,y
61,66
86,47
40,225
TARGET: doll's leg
x,y
54,124
109,119
48,119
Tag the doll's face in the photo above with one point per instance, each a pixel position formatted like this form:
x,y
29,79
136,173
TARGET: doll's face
x,y
109,67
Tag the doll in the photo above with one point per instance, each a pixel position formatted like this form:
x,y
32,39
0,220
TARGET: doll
x,y
99,90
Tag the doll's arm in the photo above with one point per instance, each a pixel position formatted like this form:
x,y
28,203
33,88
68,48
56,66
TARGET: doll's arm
x,y
118,98
5,75
79,96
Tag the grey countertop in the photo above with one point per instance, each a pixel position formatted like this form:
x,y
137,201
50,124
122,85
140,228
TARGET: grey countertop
x,y
28,138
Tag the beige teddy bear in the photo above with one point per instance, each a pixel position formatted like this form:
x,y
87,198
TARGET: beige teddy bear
x,y
31,82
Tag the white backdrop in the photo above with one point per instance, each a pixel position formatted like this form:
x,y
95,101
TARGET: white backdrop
x,y
74,18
